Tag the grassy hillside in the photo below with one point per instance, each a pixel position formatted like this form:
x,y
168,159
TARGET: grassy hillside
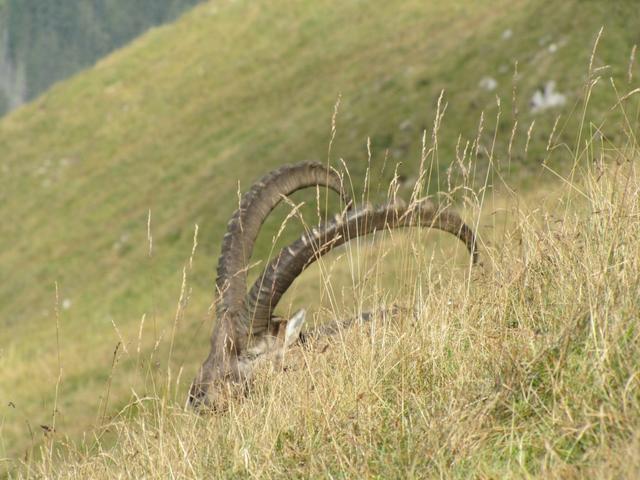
x,y
156,137
530,373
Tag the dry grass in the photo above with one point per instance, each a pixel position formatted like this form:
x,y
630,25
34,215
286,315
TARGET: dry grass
x,y
172,123
525,366
528,366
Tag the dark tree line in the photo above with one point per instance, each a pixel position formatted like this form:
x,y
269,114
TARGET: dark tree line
x,y
52,39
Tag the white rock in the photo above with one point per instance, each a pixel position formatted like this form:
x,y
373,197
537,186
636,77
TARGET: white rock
x,y
546,98
488,83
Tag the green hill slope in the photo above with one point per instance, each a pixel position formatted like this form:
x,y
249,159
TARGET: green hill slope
x,y
170,124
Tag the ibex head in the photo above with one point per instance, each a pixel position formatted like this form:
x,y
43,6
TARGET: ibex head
x,y
246,331
236,342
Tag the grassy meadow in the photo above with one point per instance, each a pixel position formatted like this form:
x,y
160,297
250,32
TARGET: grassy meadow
x,y
526,369
116,185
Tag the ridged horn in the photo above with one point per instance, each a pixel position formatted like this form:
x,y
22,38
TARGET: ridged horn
x,y
244,225
268,289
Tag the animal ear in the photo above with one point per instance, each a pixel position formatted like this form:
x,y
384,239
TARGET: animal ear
x,y
294,326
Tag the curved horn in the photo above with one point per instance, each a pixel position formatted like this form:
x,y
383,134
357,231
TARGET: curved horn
x,y
291,261
244,225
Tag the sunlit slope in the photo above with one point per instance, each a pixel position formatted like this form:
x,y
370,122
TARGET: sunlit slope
x,y
172,123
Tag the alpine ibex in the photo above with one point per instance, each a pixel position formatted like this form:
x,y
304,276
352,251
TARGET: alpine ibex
x,y
246,329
